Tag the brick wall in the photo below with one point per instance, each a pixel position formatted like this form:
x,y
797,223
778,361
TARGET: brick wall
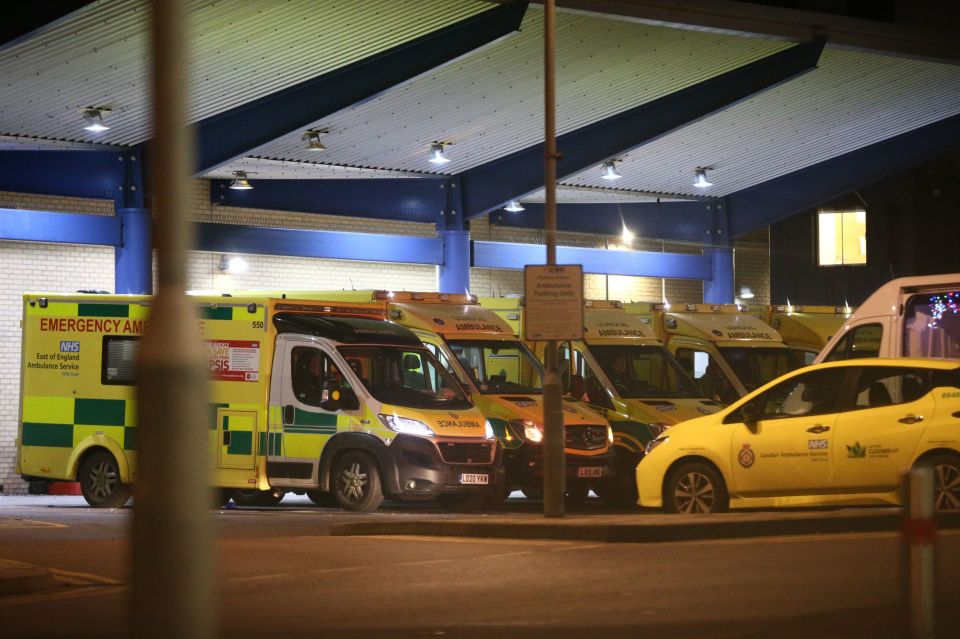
x,y
751,259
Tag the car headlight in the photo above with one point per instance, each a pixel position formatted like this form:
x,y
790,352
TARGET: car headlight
x,y
532,431
653,443
406,425
488,430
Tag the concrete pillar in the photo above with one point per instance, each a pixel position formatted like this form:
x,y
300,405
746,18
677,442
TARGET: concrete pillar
x,y
455,270
719,289
133,271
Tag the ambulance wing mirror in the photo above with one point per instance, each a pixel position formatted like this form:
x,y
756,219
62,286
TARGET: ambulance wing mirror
x,y
750,414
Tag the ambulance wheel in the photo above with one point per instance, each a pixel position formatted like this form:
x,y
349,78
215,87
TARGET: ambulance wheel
x,y
532,493
946,483
100,481
322,499
356,481
253,497
694,488
463,503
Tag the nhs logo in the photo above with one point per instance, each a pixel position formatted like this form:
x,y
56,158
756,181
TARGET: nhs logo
x,y
69,346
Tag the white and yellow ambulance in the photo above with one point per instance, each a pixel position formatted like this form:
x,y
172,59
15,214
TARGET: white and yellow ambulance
x,y
726,350
621,370
506,383
306,396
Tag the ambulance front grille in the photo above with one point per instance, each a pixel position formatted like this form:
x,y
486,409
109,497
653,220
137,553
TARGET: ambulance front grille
x,y
466,453
586,436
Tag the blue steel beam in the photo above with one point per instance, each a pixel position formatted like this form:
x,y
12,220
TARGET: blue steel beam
x,y
506,255
407,199
66,228
229,135
490,186
782,197
678,221
90,174
229,238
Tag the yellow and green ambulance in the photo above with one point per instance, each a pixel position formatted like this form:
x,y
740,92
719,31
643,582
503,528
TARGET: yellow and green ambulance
x,y
505,381
804,329
306,396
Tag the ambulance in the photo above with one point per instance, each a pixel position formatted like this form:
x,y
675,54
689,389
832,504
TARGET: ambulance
x,y
906,317
306,396
804,329
621,370
726,350
505,381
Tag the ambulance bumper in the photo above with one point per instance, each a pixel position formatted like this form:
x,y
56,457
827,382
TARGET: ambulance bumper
x,y
525,469
422,472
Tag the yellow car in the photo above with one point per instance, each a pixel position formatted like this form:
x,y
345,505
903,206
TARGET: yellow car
x,y
829,434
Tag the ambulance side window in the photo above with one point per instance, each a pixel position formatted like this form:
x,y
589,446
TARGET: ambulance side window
x,y
311,369
119,360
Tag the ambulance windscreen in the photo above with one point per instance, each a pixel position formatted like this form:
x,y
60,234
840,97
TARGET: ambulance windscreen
x,y
410,377
756,366
644,372
498,366
931,326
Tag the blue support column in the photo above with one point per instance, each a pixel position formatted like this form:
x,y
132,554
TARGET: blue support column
x,y
719,289
133,266
455,270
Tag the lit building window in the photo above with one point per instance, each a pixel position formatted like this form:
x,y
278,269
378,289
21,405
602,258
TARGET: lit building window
x,y
841,237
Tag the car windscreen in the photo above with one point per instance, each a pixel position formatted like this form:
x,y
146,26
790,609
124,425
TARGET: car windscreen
x,y
499,366
931,326
644,372
405,376
756,366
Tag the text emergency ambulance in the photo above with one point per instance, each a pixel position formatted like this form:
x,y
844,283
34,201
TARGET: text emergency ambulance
x,y
622,371
726,350
506,383
804,329
305,397
906,317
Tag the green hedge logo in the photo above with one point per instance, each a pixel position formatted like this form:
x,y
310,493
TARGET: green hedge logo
x,y
856,451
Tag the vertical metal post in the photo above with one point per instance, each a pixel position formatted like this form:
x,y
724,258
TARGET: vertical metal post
x,y
173,593
553,457
919,543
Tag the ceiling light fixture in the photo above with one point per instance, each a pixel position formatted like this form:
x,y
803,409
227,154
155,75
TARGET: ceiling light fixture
x,y
746,293
240,182
93,119
235,265
514,207
436,153
627,235
701,181
312,136
609,171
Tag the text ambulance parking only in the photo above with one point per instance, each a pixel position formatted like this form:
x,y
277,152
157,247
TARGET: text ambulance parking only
x,y
306,397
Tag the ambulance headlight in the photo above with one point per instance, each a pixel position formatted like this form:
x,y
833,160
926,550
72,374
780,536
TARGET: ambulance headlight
x,y
609,434
488,430
532,431
653,443
406,425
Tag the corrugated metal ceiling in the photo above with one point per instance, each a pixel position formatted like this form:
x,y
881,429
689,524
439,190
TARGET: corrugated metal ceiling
x,y
488,103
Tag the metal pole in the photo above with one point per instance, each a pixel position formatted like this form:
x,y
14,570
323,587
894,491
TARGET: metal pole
x,y
173,567
553,457
919,544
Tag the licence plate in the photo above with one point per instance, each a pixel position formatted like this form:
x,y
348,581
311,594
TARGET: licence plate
x,y
591,471
474,478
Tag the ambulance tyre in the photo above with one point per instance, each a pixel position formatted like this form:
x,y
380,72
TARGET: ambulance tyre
x,y
532,493
463,503
322,498
100,481
693,488
356,482
253,497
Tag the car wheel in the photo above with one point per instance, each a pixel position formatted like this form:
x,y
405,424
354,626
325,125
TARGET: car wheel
x,y
946,483
252,497
694,488
322,498
100,481
356,481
